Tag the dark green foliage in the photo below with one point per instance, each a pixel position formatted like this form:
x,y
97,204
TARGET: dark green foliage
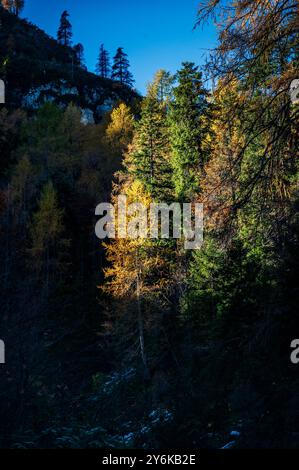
x,y
150,152
187,130
64,33
103,65
120,68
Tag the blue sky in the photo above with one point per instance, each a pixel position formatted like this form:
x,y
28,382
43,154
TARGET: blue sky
x,y
154,33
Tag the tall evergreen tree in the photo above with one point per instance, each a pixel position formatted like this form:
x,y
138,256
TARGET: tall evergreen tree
x,y
103,65
65,34
120,68
148,158
187,133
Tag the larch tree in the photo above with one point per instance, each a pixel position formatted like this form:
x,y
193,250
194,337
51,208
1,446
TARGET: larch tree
x,y
119,131
64,33
161,86
120,68
139,271
258,47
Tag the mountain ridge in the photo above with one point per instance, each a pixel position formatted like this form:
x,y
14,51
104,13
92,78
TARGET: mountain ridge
x,y
50,72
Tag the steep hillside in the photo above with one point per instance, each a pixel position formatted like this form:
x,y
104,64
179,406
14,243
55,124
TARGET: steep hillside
x,y
36,68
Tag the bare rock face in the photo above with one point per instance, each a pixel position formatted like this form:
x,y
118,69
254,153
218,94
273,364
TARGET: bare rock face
x,y
87,116
294,91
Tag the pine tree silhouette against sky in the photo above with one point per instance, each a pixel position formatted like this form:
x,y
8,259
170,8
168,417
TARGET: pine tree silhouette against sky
x,y
103,66
149,36
65,34
120,68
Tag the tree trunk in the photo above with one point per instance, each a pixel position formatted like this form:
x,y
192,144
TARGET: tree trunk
x,y
140,322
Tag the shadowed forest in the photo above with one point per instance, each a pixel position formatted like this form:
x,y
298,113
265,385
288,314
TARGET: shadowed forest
x,y
142,343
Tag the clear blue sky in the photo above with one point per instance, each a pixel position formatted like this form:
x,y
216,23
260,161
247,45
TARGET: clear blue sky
x,y
154,33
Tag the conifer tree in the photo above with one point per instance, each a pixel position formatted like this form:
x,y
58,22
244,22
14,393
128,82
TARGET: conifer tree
x,y
187,133
64,34
120,68
103,65
148,158
139,272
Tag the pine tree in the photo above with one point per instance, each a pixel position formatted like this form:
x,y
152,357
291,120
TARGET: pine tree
x,y
64,34
103,64
186,130
120,68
